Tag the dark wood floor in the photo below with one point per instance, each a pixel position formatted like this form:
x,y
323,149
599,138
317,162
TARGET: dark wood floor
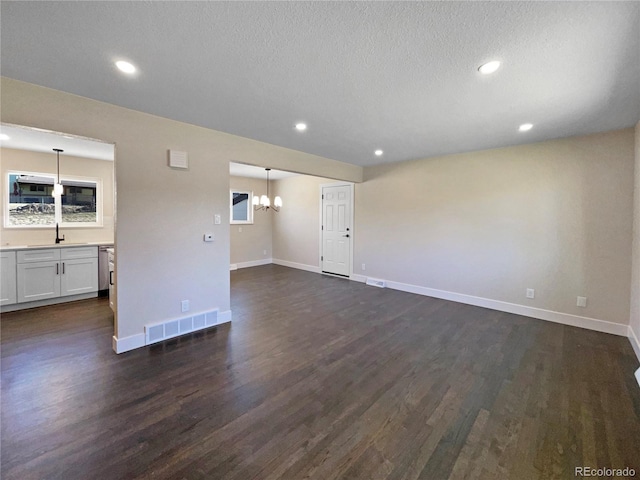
x,y
316,378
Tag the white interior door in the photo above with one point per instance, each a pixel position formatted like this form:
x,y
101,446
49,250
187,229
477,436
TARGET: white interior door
x,y
336,229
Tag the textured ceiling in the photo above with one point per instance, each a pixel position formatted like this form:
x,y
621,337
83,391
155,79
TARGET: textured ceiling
x,y
400,76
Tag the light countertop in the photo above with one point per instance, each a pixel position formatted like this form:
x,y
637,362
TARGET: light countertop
x,y
56,245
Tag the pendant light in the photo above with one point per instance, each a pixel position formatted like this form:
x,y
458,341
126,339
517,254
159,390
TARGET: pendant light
x,y
264,202
57,187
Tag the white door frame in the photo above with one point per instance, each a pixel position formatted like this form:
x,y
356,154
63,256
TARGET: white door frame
x,y
351,218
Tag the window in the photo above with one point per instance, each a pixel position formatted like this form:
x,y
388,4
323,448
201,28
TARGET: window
x,y
30,203
241,207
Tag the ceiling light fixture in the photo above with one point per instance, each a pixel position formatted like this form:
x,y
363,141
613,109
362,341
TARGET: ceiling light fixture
x,y
525,127
57,187
264,202
301,127
4,136
489,67
125,67
378,153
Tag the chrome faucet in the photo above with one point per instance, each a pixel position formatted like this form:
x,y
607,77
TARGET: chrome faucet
x,y
58,239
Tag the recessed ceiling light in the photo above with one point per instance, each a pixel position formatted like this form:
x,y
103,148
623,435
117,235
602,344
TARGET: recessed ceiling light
x,y
125,67
525,127
4,136
489,67
301,127
378,153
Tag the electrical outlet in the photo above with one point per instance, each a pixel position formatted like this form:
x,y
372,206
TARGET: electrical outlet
x,y
184,304
364,267
531,293
208,237
582,302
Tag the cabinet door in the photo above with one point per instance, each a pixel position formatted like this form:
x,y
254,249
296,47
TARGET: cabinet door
x,y
38,281
112,286
8,286
79,276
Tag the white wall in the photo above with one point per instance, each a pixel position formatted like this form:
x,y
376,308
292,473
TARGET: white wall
x,y
634,322
161,213
249,241
296,228
39,162
553,216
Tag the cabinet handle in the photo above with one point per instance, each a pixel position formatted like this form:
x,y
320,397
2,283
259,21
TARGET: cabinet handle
x,y
57,269
111,277
63,268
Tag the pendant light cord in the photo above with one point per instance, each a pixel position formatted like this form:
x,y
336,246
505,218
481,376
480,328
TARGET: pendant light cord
x,y
57,150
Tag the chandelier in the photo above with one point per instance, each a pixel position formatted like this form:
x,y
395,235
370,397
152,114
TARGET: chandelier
x,y
264,202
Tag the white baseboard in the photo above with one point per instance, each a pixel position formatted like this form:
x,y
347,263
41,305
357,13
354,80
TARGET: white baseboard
x,y
121,345
299,266
252,263
635,343
539,313
358,278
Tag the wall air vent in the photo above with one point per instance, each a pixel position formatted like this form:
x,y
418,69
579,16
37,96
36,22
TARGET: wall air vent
x,y
374,282
173,328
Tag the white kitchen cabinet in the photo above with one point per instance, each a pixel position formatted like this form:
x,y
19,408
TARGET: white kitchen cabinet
x,y
112,285
56,272
79,275
38,281
8,284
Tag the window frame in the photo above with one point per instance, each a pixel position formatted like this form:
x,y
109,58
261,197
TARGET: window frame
x,y
99,223
249,220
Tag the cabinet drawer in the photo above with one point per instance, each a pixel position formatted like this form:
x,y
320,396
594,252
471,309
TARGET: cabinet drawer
x,y
78,252
39,255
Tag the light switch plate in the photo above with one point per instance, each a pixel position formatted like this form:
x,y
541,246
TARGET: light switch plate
x,y
217,219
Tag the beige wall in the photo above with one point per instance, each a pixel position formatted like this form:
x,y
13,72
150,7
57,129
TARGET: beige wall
x,y
635,279
161,213
249,241
39,162
296,228
554,216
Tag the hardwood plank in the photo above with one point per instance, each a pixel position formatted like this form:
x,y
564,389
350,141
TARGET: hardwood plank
x,y
318,378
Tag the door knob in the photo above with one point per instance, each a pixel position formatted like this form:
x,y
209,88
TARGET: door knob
x,y
347,235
